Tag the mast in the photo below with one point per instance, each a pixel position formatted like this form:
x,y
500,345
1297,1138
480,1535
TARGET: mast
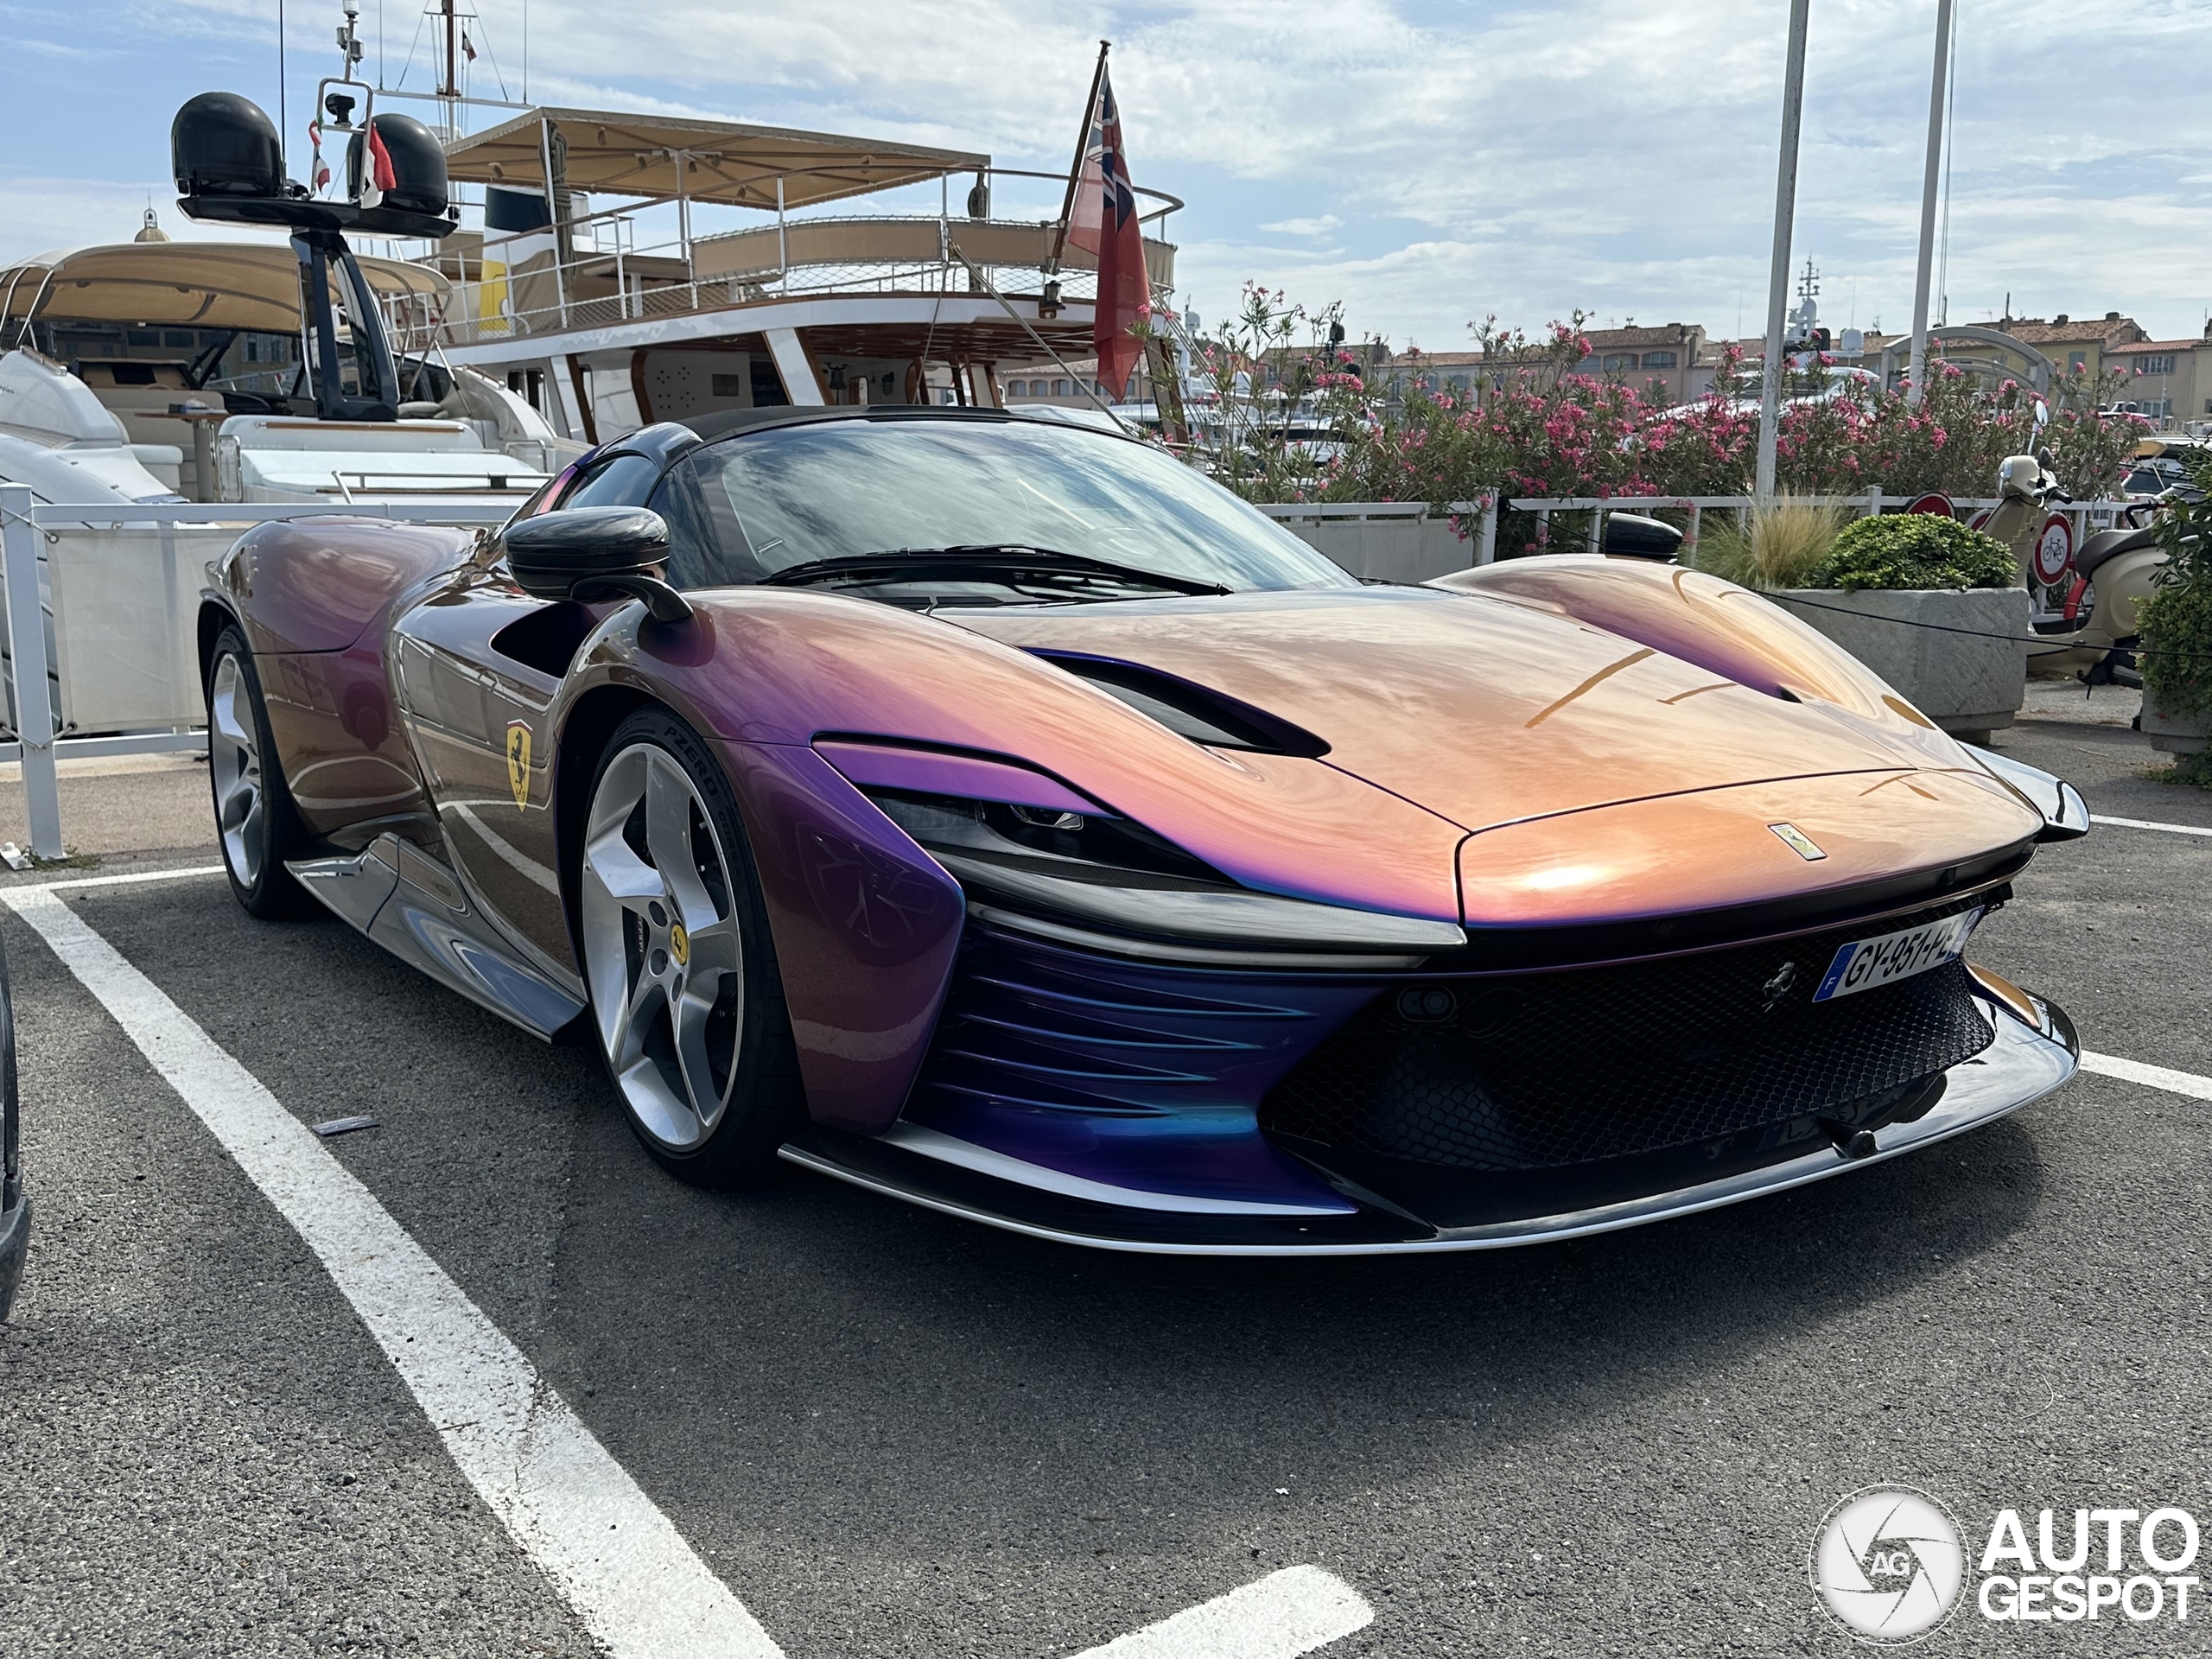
x,y
449,84
1074,171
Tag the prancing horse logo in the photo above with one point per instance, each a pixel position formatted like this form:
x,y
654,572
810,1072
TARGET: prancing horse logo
x,y
1777,988
518,763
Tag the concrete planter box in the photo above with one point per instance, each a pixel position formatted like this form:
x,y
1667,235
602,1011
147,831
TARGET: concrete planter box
x,y
1968,686
1388,541
2175,734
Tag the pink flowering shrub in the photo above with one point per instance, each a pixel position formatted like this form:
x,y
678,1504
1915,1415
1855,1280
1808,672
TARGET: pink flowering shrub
x,y
1534,426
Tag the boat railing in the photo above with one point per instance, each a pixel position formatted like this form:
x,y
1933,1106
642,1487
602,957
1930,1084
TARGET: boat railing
x,y
594,273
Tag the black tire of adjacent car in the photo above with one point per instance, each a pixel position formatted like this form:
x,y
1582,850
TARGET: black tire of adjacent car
x,y
272,894
767,1101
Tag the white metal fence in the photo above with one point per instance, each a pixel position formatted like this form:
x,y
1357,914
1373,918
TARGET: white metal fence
x,y
102,651
1406,541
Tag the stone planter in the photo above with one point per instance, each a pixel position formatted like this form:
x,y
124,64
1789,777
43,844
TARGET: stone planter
x,y
2175,734
1969,686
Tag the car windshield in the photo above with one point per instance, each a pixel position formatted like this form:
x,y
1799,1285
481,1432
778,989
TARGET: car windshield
x,y
765,502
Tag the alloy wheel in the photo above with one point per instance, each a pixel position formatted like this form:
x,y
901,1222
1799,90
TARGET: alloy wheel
x,y
662,946
234,763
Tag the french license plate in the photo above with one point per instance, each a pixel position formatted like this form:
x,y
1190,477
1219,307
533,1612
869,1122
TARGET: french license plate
x,y
1889,957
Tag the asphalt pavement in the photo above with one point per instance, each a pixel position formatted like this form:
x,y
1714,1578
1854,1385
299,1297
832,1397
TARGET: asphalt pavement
x,y
891,1433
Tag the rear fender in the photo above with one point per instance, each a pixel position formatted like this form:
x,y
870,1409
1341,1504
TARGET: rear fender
x,y
315,598
1729,629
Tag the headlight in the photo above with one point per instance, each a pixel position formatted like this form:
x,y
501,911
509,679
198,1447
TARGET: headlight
x,y
1070,864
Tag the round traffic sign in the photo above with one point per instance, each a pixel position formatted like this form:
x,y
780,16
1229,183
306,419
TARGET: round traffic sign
x,y
2053,554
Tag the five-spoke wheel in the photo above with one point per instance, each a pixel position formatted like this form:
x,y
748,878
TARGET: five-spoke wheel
x,y
683,989
254,820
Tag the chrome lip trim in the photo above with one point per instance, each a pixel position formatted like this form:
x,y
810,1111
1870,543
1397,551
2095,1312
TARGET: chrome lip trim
x,y
2021,1066
933,1143
1114,944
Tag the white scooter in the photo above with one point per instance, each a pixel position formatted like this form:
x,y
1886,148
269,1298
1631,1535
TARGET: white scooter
x,y
2083,606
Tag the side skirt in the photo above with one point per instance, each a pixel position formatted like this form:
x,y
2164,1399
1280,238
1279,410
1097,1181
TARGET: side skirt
x,y
415,907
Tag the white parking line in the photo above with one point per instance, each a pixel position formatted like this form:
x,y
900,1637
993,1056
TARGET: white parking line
x,y
1283,1614
2151,1077
620,1562
68,882
2145,823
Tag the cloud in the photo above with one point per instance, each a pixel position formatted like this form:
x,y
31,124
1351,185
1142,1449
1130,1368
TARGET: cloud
x,y
1426,163
1320,226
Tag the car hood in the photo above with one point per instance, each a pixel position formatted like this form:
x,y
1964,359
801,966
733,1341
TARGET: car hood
x,y
1484,711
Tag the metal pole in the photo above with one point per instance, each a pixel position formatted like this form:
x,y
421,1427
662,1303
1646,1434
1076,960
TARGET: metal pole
x,y
552,220
684,222
1919,368
27,654
1075,168
284,104
783,248
1785,209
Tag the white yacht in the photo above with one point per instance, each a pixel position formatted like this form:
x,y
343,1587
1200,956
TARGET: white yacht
x,y
558,298
156,370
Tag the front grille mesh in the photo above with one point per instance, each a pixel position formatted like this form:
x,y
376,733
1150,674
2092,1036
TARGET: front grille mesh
x,y
1546,1071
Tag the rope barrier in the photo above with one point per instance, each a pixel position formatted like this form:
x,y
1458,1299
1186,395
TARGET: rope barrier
x,y
1980,633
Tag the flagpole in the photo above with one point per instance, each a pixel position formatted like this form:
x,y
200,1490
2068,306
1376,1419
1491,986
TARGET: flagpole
x,y
1075,168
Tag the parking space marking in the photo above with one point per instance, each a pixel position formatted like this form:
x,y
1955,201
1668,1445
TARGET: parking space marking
x,y
2145,823
134,876
618,1560
1283,1614
2151,1077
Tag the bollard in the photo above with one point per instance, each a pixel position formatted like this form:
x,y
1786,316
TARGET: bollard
x,y
26,650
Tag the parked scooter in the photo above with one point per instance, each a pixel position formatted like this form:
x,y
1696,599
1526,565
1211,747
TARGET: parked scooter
x,y
2082,607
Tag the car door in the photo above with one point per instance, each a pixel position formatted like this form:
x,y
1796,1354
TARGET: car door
x,y
476,716
477,665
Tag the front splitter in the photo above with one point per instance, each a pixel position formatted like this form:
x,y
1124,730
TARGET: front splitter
x,y
2034,1049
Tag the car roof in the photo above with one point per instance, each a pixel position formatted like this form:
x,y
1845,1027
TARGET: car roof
x,y
722,422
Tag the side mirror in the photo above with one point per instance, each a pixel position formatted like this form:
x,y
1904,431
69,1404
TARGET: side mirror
x,y
1631,535
594,553
2042,414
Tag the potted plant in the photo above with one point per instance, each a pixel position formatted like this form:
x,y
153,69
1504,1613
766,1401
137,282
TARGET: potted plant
x,y
1930,606
2175,625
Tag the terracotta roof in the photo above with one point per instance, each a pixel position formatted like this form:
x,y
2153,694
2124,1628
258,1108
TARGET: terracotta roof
x,y
2087,331
1665,334
2147,346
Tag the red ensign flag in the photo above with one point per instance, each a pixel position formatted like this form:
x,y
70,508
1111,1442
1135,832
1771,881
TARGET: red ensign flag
x,y
1104,223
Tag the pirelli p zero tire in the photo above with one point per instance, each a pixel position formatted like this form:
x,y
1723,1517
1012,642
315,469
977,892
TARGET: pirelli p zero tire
x,y
256,823
685,996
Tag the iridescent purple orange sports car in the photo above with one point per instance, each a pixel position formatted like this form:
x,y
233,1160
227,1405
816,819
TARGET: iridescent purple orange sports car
x,y
1002,815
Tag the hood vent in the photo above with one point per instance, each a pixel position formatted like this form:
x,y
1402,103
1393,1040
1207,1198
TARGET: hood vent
x,y
1190,710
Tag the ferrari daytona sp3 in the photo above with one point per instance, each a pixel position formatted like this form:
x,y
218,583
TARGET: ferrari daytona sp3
x,y
1002,815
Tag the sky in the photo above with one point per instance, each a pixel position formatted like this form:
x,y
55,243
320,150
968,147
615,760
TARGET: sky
x,y
1426,163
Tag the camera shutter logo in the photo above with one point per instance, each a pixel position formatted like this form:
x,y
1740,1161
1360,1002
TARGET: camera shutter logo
x,y
1888,1564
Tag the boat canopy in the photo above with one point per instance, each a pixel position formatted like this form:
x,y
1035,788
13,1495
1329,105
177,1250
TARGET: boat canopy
x,y
667,158
243,285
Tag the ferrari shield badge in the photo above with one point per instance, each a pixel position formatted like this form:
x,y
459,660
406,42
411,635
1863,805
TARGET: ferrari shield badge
x,y
518,763
1792,838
